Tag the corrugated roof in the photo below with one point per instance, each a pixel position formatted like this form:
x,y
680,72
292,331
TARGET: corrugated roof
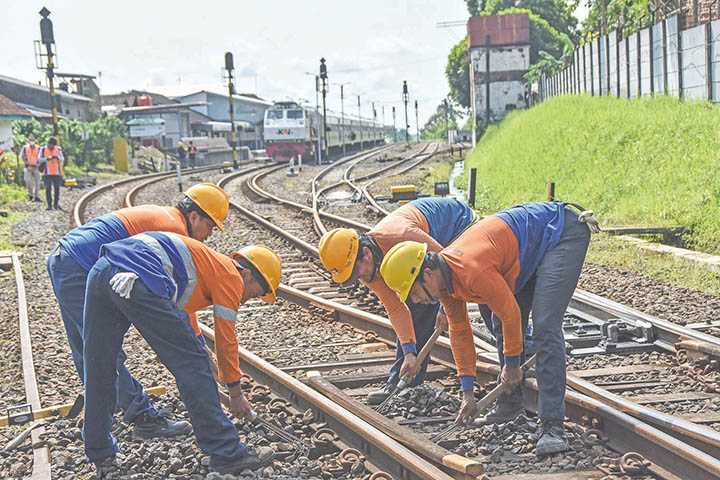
x,y
8,108
178,91
35,86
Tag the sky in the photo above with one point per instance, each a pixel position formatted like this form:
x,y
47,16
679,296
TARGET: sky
x,y
370,45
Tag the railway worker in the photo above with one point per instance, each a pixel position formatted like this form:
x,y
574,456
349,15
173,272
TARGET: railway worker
x,y
156,282
540,243
51,164
30,155
192,153
203,208
350,257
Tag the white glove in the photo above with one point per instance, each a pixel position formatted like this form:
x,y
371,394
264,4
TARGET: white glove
x,y
588,217
122,283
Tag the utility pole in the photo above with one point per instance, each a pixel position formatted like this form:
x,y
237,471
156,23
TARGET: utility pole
x,y
317,110
324,77
374,117
229,66
361,125
405,100
487,81
417,122
47,38
447,122
342,117
394,127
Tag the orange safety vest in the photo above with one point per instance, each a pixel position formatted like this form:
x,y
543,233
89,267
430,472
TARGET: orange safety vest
x,y
31,155
53,160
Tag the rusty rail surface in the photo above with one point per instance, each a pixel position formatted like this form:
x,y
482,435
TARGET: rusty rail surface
x,y
41,452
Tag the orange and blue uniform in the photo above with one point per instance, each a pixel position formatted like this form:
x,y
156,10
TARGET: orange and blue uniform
x,y
68,267
192,275
488,264
84,242
433,221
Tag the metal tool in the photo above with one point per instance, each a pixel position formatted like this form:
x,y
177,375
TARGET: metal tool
x,y
300,446
482,404
73,412
410,376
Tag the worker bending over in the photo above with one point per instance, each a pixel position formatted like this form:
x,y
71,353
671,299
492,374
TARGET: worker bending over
x,y
203,208
542,243
156,281
350,257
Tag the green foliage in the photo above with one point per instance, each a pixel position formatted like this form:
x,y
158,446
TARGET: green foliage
x,y
444,118
651,161
97,148
557,13
543,37
474,7
625,16
546,65
457,72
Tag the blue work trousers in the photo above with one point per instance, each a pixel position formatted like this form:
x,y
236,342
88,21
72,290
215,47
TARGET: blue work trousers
x,y
168,332
69,280
423,318
555,281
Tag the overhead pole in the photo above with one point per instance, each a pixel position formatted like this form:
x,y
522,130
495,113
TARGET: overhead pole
x,y
324,77
361,125
447,121
417,122
374,120
487,81
405,100
47,38
230,67
394,126
342,116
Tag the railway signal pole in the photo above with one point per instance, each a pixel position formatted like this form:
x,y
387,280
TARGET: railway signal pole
x,y
394,127
324,77
47,39
361,125
317,110
342,116
229,66
405,100
417,122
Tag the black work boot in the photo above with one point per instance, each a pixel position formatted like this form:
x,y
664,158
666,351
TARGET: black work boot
x,y
106,469
157,426
552,438
507,407
378,396
254,458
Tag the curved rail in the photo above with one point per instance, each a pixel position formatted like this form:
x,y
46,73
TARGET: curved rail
x,y
41,453
629,433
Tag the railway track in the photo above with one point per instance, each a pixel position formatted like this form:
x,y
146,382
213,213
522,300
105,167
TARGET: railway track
x,y
693,460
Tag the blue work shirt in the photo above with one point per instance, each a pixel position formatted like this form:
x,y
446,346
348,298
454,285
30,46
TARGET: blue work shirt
x,y
447,217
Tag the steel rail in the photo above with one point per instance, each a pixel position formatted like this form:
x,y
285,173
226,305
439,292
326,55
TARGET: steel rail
x,y
379,448
79,207
690,434
41,453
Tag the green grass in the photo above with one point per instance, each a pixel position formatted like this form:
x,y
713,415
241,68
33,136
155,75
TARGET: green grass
x,y
439,172
10,193
617,253
654,161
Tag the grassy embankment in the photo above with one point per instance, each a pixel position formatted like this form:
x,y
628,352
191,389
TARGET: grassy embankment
x,y
634,162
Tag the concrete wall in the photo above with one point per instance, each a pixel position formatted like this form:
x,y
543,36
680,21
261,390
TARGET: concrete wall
x,y
661,59
507,86
6,136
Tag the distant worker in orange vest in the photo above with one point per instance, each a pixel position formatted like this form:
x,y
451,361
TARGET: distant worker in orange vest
x,y
51,164
30,155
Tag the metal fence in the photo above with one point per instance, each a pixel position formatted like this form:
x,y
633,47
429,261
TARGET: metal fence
x,y
661,59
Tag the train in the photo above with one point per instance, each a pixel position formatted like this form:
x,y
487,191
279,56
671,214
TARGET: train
x,y
291,131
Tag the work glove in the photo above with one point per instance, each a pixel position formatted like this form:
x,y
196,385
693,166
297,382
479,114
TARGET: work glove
x,y
588,217
122,283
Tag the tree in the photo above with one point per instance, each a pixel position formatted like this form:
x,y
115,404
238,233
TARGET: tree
x,y
623,16
445,117
457,72
557,13
474,7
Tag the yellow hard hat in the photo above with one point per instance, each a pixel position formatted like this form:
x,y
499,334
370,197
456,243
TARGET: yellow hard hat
x,y
267,263
402,265
338,252
212,200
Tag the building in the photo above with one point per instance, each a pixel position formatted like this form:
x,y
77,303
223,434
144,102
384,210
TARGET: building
x,y
499,47
160,125
36,99
249,112
10,112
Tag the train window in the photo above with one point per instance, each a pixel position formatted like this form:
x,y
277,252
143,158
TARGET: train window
x,y
294,114
274,114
